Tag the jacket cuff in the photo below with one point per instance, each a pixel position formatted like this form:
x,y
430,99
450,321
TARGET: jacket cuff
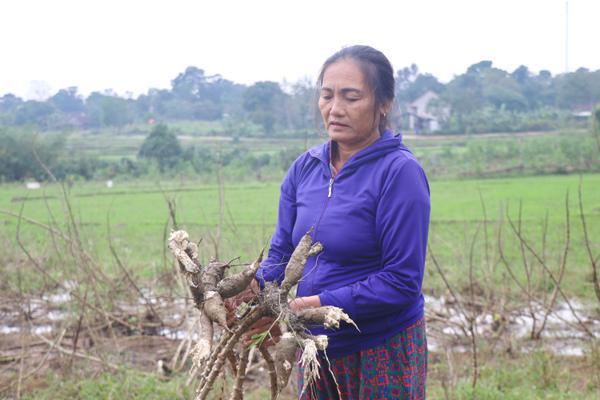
x,y
341,297
265,274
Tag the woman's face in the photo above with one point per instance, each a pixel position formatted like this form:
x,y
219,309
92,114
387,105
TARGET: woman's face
x,y
347,106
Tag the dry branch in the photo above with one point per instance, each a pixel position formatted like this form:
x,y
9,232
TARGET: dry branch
x,y
588,247
210,286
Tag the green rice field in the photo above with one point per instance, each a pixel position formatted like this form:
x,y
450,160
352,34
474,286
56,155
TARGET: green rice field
x,y
136,214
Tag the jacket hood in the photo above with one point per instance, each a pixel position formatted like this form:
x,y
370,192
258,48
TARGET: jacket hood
x,y
387,143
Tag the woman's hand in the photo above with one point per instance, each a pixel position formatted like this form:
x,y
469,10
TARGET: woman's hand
x,y
267,323
261,327
300,303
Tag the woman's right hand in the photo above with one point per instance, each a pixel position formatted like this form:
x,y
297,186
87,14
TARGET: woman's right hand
x,y
265,326
261,326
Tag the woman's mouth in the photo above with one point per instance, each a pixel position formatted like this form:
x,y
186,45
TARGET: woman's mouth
x,y
338,124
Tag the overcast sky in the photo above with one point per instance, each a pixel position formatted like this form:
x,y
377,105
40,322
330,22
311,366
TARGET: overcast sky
x,y
131,46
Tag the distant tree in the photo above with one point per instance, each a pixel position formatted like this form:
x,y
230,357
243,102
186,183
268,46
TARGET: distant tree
x,y
264,101
162,146
579,89
230,96
527,85
405,77
201,158
499,88
546,94
107,109
411,84
34,112
153,103
189,84
17,160
196,95
484,87
302,107
479,67
9,102
464,93
68,100
596,125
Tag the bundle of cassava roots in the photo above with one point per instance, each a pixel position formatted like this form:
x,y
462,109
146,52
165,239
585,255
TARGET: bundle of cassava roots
x,y
210,286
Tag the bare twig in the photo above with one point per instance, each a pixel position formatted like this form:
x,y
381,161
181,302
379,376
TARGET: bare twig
x,y
485,236
40,364
56,282
446,282
588,247
271,367
221,186
505,260
238,388
528,270
472,317
123,269
80,355
79,321
550,306
555,281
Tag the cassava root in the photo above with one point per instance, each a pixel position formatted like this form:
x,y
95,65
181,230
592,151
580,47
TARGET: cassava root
x,y
209,287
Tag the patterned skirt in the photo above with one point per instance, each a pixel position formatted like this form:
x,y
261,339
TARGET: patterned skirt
x,y
397,369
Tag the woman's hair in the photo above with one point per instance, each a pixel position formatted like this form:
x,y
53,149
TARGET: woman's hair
x,y
377,70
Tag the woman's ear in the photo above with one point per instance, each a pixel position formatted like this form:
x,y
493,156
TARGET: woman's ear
x,y
385,109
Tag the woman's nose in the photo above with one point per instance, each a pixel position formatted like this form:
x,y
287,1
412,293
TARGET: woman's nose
x,y
336,107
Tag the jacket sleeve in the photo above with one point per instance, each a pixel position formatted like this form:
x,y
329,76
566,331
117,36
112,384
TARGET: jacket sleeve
x,y
402,224
281,248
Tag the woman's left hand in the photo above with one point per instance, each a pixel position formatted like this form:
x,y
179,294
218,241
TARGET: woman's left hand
x,y
300,303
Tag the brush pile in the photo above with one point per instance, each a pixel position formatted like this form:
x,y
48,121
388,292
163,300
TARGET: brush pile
x,y
210,287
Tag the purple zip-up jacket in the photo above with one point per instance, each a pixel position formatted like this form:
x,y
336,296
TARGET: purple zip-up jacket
x,y
373,221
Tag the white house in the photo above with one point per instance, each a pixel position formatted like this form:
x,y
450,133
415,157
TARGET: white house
x,y
423,116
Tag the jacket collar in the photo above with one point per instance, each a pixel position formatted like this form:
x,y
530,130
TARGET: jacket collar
x,y
386,143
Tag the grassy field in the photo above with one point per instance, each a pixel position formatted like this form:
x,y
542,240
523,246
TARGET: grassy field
x,y
467,216
537,376
446,156
138,215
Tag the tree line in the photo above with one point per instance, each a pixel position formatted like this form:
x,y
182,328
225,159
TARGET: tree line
x,y
482,99
28,156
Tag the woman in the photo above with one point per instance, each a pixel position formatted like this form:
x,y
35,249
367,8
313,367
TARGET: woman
x,y
367,199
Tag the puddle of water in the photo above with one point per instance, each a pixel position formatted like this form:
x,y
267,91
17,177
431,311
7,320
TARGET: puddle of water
x,y
55,315
42,329
561,334
171,334
7,330
572,351
58,298
37,329
62,295
176,334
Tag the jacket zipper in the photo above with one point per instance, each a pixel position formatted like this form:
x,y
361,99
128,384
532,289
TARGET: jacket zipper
x,y
329,193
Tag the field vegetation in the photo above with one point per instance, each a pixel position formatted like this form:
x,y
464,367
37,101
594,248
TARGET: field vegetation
x,y
91,301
